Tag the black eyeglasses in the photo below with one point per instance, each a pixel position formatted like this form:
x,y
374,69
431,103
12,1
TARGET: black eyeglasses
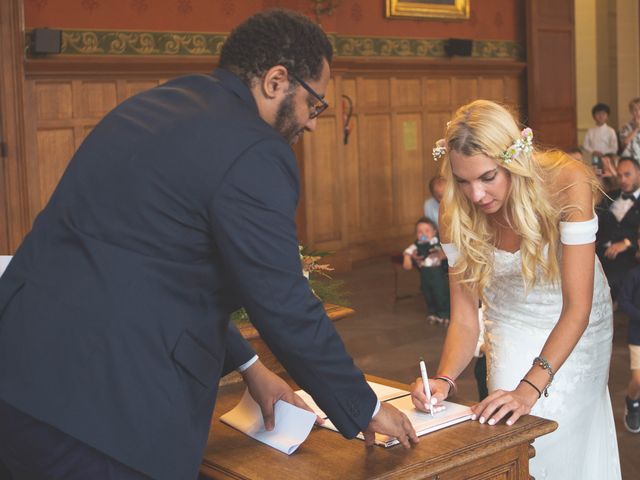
x,y
320,106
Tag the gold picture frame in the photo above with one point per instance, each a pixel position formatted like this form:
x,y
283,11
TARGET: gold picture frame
x,y
440,9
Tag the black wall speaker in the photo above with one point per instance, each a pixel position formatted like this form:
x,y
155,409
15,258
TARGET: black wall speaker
x,y
45,40
461,47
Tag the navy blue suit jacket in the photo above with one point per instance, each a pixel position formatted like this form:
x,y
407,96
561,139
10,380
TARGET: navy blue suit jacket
x,y
177,209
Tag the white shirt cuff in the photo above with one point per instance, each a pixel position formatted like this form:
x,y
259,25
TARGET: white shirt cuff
x,y
377,409
247,364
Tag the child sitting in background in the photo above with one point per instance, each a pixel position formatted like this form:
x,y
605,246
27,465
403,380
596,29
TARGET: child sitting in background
x,y
427,255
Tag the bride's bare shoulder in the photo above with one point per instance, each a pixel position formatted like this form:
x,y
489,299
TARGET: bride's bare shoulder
x,y
573,183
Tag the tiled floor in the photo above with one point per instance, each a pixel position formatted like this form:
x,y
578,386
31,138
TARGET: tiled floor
x,y
387,339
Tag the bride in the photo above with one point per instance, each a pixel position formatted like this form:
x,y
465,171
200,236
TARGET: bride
x,y
519,230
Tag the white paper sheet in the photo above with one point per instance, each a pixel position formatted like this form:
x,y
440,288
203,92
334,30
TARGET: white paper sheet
x,y
292,427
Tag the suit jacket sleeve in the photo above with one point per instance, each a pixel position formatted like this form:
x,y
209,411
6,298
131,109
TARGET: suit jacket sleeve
x,y
627,290
253,226
237,351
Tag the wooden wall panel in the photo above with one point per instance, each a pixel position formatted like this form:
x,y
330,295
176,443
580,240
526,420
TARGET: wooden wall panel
x,y
492,89
373,92
359,199
408,165
513,95
351,182
96,99
330,94
348,87
54,100
464,90
437,92
376,191
405,92
55,148
323,201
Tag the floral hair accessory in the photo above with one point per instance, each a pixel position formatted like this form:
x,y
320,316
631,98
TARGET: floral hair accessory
x,y
523,144
439,150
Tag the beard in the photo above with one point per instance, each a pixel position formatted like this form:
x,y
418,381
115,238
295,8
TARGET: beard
x,y
286,124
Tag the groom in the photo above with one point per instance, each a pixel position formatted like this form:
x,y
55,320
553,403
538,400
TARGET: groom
x,y
619,219
177,209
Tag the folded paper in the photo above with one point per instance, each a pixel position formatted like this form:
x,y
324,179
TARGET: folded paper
x,y
292,424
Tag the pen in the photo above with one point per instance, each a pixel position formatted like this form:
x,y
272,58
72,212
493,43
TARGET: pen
x,y
425,381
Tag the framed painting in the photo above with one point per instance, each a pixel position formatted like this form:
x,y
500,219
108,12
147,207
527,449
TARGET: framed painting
x,y
440,9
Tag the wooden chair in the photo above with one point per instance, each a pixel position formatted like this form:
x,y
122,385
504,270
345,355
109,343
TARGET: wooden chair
x,y
396,262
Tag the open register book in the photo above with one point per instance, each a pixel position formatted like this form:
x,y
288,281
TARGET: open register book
x,y
401,399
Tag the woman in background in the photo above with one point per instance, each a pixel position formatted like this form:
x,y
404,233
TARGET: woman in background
x,y
518,229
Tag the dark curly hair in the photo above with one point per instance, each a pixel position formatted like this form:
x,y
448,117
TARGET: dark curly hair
x,y
276,37
600,107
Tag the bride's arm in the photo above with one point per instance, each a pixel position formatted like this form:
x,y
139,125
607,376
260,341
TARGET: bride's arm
x,y
460,342
462,335
576,275
577,292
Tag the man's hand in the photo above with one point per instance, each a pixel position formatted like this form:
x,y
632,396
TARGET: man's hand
x,y
391,421
267,388
614,249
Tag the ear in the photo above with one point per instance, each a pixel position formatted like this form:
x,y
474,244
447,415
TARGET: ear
x,y
275,82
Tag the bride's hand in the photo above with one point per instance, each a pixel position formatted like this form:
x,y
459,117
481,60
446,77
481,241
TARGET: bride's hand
x,y
439,391
501,403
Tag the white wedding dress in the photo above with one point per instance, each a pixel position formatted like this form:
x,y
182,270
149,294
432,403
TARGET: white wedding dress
x,y
517,324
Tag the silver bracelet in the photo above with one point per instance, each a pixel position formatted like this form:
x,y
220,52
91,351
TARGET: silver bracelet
x,y
545,365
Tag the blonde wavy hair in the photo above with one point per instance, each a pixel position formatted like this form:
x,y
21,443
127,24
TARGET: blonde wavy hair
x,y
532,209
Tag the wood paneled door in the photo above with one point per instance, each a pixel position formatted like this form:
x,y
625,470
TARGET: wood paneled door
x,y
551,72
14,216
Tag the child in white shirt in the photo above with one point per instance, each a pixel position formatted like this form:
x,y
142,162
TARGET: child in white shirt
x,y
601,139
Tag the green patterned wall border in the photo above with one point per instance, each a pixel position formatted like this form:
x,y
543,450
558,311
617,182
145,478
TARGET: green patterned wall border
x,y
413,48
97,42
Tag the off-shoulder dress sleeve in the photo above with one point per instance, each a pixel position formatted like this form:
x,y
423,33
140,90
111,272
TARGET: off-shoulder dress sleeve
x,y
579,233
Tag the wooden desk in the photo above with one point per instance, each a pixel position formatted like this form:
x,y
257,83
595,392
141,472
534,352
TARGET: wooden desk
x,y
464,451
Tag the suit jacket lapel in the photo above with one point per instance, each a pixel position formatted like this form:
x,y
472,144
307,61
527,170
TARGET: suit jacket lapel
x,y
632,211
